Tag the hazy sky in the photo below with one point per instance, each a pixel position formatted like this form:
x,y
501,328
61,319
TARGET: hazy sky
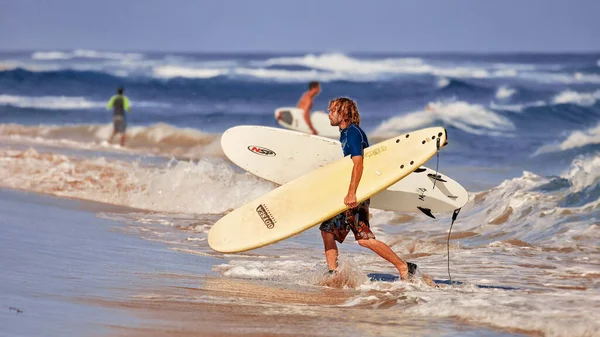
x,y
302,26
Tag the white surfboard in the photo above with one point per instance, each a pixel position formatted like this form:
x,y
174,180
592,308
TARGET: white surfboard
x,y
293,119
281,156
318,195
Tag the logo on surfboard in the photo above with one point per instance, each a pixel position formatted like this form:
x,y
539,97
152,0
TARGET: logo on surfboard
x,y
422,193
265,216
263,151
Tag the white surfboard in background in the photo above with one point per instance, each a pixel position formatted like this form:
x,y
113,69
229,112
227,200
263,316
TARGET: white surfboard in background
x,y
293,119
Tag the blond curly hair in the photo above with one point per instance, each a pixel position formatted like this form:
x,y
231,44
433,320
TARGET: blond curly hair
x,y
347,108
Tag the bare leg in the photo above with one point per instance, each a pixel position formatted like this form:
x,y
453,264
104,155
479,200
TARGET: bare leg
x,y
331,251
387,253
112,136
123,139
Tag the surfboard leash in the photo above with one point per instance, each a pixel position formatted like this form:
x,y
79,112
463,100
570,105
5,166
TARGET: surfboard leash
x,y
437,177
454,215
437,164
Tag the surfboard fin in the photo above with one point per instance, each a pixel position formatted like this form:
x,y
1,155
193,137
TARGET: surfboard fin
x,y
436,177
426,211
420,169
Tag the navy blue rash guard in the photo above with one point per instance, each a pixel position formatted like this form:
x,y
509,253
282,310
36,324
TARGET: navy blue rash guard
x,y
353,140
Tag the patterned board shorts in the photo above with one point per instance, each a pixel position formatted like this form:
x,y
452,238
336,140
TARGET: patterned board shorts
x,y
119,124
355,219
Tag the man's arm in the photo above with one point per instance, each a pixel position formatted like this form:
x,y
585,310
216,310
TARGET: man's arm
x,y
357,171
126,105
306,105
111,102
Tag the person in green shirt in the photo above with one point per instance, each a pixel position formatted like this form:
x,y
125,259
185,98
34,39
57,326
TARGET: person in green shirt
x,y
119,103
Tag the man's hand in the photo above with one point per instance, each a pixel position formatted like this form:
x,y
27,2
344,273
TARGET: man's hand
x,y
350,200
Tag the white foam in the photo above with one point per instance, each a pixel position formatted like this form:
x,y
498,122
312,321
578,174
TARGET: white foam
x,y
51,55
349,66
517,209
471,118
584,171
578,138
287,75
516,107
83,53
564,78
583,99
283,270
505,92
337,62
209,186
170,71
50,102
552,314
65,102
443,82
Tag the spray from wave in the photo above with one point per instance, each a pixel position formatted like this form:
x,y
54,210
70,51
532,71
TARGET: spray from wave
x,y
208,186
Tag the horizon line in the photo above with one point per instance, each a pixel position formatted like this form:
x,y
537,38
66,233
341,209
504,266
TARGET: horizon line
x,y
454,52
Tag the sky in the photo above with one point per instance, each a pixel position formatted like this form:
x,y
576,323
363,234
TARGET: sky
x,y
404,26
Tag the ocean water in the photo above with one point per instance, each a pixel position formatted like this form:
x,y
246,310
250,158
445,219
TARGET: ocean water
x,y
524,140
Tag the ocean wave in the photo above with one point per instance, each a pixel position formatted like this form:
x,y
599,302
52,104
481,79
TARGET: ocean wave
x,y
50,102
324,67
209,186
583,99
443,82
84,53
576,139
563,78
470,118
288,75
505,92
516,107
158,139
337,62
187,72
525,208
64,102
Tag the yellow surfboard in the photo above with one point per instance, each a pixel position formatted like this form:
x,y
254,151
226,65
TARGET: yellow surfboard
x,y
319,195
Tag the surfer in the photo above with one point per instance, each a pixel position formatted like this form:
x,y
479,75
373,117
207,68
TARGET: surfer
x,y
343,113
119,103
306,102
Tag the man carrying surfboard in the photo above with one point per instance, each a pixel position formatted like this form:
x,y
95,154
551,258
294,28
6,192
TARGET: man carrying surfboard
x,y
306,102
343,113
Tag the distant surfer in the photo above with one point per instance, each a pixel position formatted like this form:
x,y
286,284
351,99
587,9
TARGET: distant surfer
x,y
306,102
119,103
343,113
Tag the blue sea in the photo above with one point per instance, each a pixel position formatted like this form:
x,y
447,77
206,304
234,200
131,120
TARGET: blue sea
x,y
523,139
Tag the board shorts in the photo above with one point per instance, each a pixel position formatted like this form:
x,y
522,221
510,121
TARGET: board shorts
x,y
119,123
355,219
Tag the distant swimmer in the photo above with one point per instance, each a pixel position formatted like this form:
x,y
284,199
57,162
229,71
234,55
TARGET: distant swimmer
x,y
306,102
119,103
